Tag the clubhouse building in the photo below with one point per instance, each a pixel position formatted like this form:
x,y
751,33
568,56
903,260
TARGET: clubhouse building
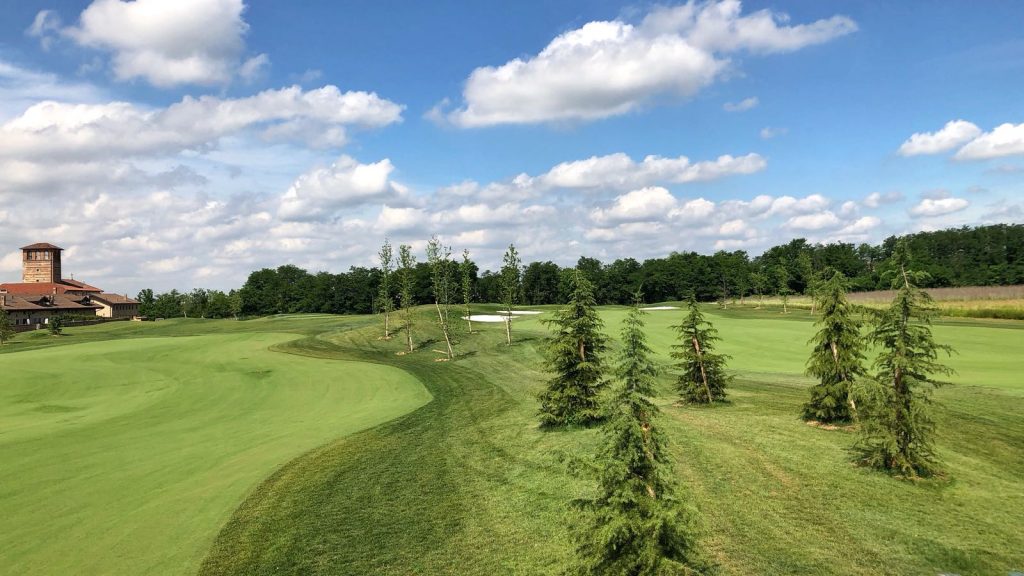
x,y
43,294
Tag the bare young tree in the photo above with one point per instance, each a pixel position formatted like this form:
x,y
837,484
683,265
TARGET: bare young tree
x,y
511,286
466,271
439,259
406,266
387,304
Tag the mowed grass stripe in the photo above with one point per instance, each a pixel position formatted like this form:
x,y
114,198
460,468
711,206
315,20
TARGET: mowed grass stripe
x,y
127,456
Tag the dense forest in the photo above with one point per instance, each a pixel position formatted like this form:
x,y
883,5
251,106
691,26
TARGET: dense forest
x,y
981,256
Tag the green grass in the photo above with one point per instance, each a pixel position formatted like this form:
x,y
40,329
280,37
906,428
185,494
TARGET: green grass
x,y
467,483
127,457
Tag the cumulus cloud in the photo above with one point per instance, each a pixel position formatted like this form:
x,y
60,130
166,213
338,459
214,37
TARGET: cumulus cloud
x,y
344,184
608,68
620,171
61,131
742,105
1005,140
164,43
953,134
767,133
930,207
814,221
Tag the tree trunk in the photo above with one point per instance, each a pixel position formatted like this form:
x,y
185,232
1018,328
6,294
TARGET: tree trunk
x,y
387,325
444,329
469,318
700,362
508,328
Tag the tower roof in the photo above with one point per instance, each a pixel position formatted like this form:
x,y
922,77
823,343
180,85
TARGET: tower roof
x,y
41,246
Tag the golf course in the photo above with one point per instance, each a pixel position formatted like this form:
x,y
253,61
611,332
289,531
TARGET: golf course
x,y
308,444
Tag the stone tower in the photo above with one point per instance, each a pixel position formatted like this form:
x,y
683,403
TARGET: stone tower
x,y
40,263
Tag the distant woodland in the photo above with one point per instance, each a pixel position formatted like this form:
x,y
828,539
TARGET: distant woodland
x,y
968,256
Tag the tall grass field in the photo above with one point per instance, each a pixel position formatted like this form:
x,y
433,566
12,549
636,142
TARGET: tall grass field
x,y
309,445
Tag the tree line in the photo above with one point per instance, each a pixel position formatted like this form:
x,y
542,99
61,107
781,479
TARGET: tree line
x,y
987,255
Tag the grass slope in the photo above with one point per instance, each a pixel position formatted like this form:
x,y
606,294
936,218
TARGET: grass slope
x,y
127,456
468,485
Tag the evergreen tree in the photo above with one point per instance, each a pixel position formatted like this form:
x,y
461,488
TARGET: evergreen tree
x,y
387,303
511,286
575,355
407,268
439,259
703,378
896,422
56,325
6,329
635,526
466,271
837,355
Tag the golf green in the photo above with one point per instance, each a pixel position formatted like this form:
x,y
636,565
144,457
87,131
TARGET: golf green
x,y
114,450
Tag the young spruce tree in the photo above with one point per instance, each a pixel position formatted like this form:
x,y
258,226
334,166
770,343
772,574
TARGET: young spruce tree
x,y
439,258
511,283
575,355
635,526
387,303
703,378
837,355
895,415
406,267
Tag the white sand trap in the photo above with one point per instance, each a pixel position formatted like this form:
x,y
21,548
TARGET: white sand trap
x,y
520,312
486,318
661,308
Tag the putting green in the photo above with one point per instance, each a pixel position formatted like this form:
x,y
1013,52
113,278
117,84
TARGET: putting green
x,y
127,456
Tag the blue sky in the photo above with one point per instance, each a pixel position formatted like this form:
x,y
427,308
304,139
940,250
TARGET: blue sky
x,y
185,144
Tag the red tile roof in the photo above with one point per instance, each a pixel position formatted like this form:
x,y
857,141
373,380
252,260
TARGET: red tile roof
x,y
14,302
80,285
47,287
41,246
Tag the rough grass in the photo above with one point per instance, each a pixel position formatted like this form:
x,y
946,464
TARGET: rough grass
x,y
467,484
997,302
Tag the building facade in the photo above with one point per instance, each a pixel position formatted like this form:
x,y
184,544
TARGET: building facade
x,y
42,294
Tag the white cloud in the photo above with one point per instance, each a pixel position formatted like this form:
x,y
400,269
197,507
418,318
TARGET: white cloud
x,y
608,68
639,205
861,226
166,43
876,199
254,67
1005,140
619,171
929,207
814,221
742,105
344,184
56,130
953,134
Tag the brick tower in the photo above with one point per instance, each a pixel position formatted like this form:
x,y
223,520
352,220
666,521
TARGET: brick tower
x,y
40,263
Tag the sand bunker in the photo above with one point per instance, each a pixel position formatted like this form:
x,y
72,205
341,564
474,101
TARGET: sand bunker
x,y
520,312
485,318
661,308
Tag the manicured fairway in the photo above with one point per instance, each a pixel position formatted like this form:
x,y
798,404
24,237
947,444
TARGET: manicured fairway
x,y
212,453
127,456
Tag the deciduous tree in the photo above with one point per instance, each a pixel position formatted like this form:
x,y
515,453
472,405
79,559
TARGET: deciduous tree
x,y
703,378
575,355
837,356
385,300
897,427
466,273
407,269
511,286
439,259
635,525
